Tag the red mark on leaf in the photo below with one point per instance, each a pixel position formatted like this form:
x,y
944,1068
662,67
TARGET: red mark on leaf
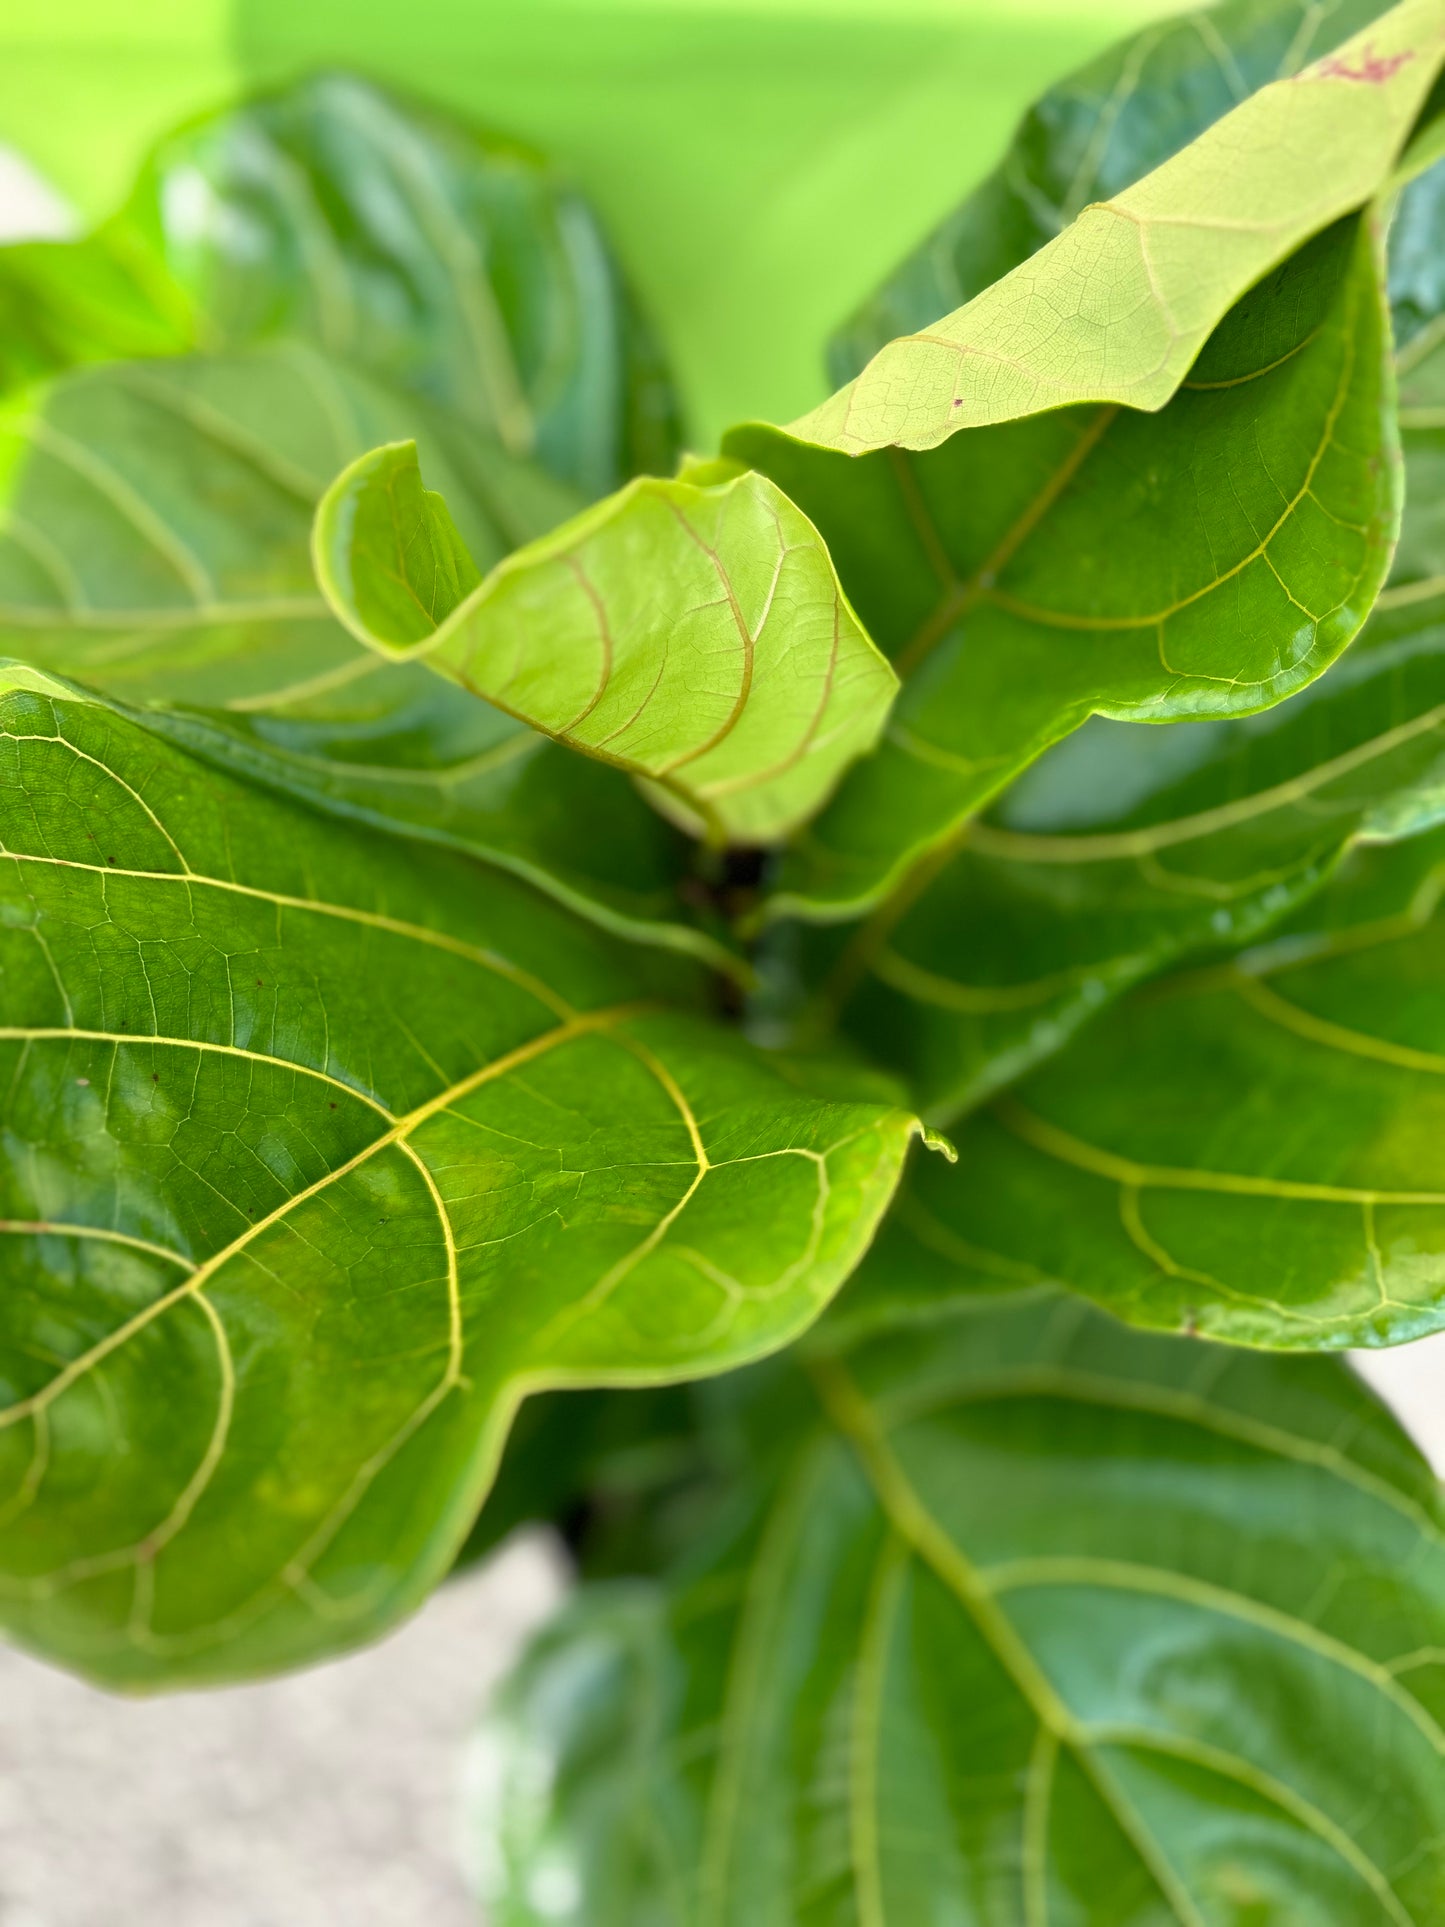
x,y
1373,68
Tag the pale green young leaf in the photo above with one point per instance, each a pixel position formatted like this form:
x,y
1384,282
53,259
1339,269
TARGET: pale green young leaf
x,y
1091,136
1117,307
1027,1621
696,636
1205,561
1125,848
321,1149
155,542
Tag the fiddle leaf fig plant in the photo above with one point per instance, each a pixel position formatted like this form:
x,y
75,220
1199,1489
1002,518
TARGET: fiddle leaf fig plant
x,y
495,922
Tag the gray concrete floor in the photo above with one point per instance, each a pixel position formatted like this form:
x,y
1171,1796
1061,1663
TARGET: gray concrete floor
x,y
329,1799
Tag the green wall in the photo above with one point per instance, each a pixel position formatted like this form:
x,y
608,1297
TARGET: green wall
x,y
760,164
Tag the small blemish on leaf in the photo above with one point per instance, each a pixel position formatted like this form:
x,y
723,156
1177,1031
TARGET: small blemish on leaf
x,y
155,1077
110,859
83,1082
1373,68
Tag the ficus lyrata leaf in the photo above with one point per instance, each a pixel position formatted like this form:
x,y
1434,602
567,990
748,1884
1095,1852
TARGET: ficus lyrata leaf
x,y
1206,560
450,263
1117,306
694,634
321,1149
155,542
1089,138
1250,1149
1024,1621
1125,847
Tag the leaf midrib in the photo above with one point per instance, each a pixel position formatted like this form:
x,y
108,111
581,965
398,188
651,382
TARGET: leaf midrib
x,y
978,1588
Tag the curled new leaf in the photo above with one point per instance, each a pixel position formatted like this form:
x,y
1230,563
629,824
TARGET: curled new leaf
x,y
696,636
321,1149
155,525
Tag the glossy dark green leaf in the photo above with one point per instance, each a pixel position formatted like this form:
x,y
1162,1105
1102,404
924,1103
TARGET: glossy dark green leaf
x,y
1035,1622
1124,848
694,634
1089,138
1204,561
450,263
1251,1150
321,1149
155,542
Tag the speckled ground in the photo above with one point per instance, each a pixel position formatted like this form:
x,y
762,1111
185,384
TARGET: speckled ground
x,y
326,1800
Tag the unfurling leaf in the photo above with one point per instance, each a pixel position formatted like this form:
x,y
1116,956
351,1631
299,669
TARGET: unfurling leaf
x,y
155,526
696,636
321,1149
1029,1621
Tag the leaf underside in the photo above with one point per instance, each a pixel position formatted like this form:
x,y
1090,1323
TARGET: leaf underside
x,y
156,544
1118,305
1205,561
694,635
1124,848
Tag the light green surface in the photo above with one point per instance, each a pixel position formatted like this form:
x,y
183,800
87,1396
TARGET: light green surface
x,y
696,636
1118,305
760,166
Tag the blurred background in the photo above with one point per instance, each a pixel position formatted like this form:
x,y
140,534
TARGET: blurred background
x,y
759,164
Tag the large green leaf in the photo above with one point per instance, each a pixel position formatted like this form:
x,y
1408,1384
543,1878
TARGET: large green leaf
x,y
1252,1150
1204,561
450,263
1118,305
693,633
1126,847
1030,1622
1090,137
320,1149
155,542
